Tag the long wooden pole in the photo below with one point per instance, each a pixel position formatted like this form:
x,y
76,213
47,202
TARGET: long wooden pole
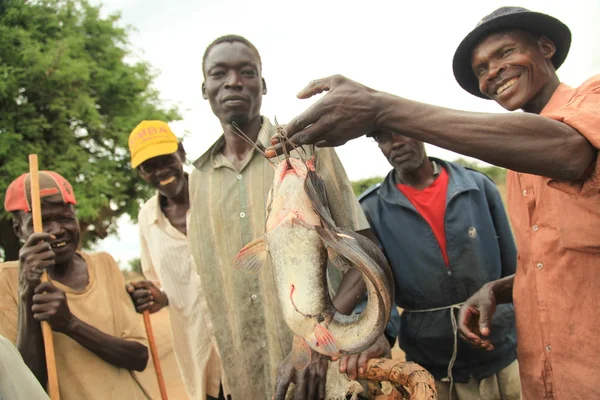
x,y
36,210
155,359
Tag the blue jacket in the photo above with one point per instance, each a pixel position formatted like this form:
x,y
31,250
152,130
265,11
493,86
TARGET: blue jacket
x,y
480,249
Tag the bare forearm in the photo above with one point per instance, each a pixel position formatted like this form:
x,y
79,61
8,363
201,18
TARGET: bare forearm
x,y
503,289
522,142
121,353
30,342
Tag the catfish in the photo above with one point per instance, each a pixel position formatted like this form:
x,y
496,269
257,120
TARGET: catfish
x,y
300,239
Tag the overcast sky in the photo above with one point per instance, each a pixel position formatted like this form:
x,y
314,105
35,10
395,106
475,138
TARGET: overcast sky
x,y
400,47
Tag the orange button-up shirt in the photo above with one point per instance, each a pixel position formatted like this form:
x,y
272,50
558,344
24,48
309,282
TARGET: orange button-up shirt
x,y
557,230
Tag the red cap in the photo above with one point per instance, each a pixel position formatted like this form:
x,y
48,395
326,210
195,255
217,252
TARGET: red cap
x,y
53,187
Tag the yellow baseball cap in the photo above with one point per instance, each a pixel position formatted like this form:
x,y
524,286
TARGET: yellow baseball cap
x,y
151,139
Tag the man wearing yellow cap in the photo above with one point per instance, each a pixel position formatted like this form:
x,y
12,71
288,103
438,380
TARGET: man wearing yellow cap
x,y
166,257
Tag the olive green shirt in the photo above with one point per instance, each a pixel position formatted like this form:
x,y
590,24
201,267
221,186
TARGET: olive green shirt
x,y
228,211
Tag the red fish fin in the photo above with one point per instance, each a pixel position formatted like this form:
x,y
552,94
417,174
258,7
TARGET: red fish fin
x,y
315,189
325,341
252,256
301,353
339,261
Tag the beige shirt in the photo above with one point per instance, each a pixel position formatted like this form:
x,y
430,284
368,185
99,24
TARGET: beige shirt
x,y
103,304
17,382
228,212
166,257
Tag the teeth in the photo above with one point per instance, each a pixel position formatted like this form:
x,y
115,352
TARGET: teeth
x,y
167,181
506,86
61,244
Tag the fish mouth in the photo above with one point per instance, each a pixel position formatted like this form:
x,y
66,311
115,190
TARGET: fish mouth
x,y
167,181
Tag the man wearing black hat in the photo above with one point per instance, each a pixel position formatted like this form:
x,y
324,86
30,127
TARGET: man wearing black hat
x,y
553,186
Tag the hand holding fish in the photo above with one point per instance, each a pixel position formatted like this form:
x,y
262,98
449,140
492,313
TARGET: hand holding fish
x,y
310,382
356,364
348,111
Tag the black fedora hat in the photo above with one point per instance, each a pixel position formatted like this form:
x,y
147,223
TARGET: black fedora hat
x,y
503,19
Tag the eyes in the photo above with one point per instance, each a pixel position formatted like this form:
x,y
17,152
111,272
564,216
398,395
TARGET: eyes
x,y
503,53
221,72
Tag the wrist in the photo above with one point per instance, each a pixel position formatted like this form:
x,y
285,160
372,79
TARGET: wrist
x,y
501,289
164,298
72,325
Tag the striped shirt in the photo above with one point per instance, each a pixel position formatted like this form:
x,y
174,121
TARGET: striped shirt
x,y
166,257
228,211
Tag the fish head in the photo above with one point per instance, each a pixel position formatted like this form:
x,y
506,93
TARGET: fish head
x,y
288,197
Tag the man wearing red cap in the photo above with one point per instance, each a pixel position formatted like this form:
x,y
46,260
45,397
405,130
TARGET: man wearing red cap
x,y
98,338
553,187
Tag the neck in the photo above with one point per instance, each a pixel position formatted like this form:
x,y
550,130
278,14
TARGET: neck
x,y
419,178
235,145
537,104
183,197
60,272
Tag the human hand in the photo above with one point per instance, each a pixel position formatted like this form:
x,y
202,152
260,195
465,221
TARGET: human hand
x,y
50,304
356,364
474,318
34,257
310,383
348,111
146,296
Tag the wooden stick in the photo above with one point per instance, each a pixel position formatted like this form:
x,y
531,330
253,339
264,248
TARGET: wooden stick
x,y
155,359
36,211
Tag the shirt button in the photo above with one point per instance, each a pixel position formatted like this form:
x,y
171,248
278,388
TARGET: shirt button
x,y
524,192
239,176
243,214
472,232
548,348
264,344
540,265
254,297
535,228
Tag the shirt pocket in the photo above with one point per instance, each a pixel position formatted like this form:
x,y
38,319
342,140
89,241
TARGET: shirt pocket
x,y
577,219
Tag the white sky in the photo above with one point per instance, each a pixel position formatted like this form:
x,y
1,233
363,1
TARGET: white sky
x,y
400,47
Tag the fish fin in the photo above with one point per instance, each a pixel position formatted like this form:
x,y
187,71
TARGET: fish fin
x,y
339,261
315,189
325,341
252,256
301,353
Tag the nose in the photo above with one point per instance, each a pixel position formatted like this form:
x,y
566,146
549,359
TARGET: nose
x,y
53,228
495,69
234,81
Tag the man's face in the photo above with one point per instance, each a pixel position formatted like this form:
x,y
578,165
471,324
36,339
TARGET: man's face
x,y
513,67
165,173
233,84
58,219
406,155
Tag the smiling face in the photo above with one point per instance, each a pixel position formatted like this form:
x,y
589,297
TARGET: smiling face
x,y
58,219
165,173
513,68
406,155
233,84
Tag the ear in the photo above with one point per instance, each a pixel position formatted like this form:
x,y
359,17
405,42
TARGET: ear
x,y
181,152
204,95
264,86
17,223
547,47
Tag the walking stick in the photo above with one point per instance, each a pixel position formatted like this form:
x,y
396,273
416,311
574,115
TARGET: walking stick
x,y
36,211
155,359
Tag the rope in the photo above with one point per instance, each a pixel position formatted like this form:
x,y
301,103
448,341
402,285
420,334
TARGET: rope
x,y
452,307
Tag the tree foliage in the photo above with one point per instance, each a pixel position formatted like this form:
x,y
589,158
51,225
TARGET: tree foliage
x,y
361,185
71,92
497,174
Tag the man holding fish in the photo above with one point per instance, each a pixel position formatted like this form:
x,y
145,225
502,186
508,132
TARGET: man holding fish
x,y
553,184
445,232
229,188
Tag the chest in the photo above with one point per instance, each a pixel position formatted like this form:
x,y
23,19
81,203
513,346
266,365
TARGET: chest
x,y
176,215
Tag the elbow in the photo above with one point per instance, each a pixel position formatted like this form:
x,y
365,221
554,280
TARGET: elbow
x,y
141,361
576,157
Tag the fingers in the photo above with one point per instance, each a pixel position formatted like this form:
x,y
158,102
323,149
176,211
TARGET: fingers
x,y
317,86
484,320
283,383
312,386
362,361
46,287
36,238
301,387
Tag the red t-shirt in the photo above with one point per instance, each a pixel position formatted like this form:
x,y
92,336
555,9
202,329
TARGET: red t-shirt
x,y
431,204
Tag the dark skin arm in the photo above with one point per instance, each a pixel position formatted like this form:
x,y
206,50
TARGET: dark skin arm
x,y
522,142
476,314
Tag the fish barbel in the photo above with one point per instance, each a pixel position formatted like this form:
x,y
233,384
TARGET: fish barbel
x,y
300,238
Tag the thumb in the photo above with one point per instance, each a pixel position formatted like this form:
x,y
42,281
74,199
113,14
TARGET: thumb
x,y
316,87
484,321
362,362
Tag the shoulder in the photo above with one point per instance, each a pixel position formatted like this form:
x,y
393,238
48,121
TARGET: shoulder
x,y
101,259
148,209
9,271
371,192
480,178
592,85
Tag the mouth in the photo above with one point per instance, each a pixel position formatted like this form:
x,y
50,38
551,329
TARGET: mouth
x,y
167,181
234,99
505,86
59,244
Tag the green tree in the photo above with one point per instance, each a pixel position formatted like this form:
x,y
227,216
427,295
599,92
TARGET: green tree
x,y
135,265
497,174
361,185
71,91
